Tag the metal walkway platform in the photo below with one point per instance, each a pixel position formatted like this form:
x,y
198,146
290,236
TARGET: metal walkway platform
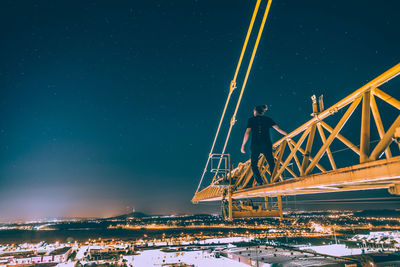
x,y
378,174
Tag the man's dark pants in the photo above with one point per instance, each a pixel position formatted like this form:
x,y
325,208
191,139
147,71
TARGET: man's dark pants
x,y
266,150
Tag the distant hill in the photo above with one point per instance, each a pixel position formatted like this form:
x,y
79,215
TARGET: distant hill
x,y
378,213
136,214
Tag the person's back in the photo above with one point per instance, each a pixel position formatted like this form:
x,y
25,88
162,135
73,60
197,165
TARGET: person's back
x,y
260,135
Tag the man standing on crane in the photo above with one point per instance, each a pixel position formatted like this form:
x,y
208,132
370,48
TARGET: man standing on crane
x,y
259,126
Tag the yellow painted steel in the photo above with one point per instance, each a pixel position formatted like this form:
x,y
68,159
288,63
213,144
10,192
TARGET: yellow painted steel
x,y
295,156
378,123
230,208
307,152
253,214
385,141
343,139
365,127
332,136
394,189
387,98
312,177
310,157
293,151
278,161
310,139
367,175
248,209
280,207
378,81
328,150
378,174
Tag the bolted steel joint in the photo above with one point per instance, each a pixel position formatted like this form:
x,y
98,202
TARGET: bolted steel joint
x,y
394,189
232,86
233,120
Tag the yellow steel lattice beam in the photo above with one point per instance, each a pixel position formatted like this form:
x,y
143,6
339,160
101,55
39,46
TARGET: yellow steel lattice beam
x,y
378,123
368,175
333,135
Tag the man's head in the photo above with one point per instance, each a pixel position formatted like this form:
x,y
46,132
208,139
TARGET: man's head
x,y
260,110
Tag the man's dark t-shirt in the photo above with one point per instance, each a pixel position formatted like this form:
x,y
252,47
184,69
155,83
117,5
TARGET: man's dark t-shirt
x,y
260,137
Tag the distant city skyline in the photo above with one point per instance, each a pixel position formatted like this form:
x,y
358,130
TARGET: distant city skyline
x,y
108,107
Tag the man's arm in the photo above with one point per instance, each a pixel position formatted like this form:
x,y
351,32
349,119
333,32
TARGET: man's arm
x,y
279,130
245,139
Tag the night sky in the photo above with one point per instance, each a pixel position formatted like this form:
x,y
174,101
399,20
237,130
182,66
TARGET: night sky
x,y
112,105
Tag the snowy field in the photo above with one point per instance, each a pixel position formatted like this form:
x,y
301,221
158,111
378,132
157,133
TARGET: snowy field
x,y
197,258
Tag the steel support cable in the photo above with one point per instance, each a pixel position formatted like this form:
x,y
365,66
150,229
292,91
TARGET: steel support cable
x,y
348,148
233,120
232,87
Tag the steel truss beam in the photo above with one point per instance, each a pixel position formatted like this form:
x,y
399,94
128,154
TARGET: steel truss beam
x,y
369,174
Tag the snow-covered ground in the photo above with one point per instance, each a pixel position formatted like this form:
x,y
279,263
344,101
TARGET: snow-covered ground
x,y
334,250
157,257
386,237
81,252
